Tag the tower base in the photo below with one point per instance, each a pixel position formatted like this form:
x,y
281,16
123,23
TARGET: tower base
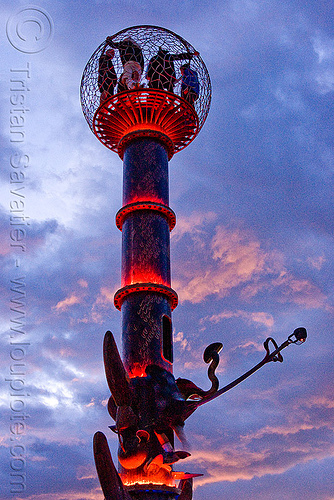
x,y
153,492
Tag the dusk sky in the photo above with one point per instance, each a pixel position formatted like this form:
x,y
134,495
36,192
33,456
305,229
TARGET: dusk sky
x,y
252,253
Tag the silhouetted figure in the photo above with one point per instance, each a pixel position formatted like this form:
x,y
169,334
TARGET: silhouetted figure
x,y
107,78
189,84
133,62
161,72
129,50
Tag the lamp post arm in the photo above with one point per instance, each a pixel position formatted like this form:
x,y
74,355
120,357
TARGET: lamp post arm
x,y
274,356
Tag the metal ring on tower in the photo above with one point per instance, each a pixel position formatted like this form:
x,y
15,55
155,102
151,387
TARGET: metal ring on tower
x,y
145,205
145,287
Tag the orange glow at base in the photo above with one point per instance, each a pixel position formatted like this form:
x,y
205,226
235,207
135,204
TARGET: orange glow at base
x,y
161,478
147,276
137,370
141,197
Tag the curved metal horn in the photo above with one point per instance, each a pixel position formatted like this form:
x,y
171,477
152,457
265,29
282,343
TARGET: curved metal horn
x,y
117,377
110,481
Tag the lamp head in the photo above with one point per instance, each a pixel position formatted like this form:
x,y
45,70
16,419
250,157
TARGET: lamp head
x,y
298,336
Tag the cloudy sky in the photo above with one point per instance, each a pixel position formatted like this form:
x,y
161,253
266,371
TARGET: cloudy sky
x,y
252,252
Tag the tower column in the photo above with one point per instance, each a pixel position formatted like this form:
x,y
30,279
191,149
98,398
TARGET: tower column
x,y
145,124
145,220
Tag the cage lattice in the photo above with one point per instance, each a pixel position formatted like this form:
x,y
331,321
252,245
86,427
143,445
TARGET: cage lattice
x,y
109,96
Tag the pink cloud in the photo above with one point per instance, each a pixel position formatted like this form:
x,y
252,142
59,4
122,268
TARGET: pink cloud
x,y
68,302
4,247
235,258
180,338
320,401
259,317
102,304
193,224
83,283
271,450
302,436
299,291
317,262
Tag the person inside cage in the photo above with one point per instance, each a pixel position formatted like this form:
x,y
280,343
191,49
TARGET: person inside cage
x,y
161,72
107,78
131,75
133,62
189,84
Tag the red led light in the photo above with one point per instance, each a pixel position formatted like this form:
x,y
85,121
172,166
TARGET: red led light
x,y
142,198
148,287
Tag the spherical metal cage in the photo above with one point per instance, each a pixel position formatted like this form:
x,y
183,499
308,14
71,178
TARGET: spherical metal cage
x,y
151,40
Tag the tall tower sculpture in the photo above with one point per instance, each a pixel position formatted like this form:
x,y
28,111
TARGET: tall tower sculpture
x,y
145,94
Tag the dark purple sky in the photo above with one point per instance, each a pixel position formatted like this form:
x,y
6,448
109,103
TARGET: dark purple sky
x,y
252,252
